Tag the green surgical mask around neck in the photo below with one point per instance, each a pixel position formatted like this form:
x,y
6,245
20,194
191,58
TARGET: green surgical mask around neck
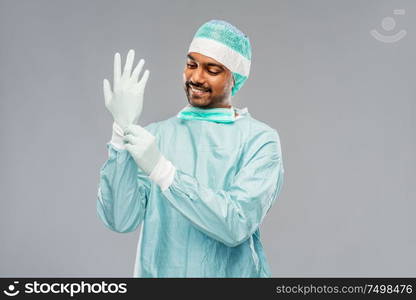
x,y
218,115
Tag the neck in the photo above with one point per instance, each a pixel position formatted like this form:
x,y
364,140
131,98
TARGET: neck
x,y
225,104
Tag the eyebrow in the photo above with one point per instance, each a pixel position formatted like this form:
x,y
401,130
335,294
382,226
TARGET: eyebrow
x,y
208,64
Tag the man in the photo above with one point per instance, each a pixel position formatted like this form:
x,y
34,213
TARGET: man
x,y
200,183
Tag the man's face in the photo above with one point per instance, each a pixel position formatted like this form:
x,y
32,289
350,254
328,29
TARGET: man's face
x,y
207,83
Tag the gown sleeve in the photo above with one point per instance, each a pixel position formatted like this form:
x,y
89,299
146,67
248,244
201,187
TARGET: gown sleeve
x,y
232,215
123,191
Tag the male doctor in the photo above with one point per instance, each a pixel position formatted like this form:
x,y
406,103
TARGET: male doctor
x,y
199,183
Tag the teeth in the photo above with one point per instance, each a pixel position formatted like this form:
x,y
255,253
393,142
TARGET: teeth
x,y
197,90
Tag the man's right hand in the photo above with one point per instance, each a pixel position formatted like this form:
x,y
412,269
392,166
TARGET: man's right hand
x,y
125,102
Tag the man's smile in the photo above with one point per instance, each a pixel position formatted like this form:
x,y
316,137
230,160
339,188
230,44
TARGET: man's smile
x,y
195,91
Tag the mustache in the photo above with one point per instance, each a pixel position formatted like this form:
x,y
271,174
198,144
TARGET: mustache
x,y
197,85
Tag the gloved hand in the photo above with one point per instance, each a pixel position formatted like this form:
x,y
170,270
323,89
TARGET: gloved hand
x,y
141,145
125,102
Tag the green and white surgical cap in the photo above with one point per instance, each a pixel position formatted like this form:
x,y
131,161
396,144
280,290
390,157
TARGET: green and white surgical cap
x,y
226,44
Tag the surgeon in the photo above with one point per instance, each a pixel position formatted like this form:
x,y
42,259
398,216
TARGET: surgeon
x,y
199,183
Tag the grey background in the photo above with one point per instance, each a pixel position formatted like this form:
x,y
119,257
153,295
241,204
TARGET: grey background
x,y
342,102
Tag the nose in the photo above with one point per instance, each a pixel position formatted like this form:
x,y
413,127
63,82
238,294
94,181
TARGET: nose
x,y
198,76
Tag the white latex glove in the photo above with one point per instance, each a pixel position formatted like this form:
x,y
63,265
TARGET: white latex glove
x,y
141,145
125,102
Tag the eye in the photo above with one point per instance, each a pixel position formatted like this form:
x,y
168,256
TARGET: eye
x,y
191,66
214,73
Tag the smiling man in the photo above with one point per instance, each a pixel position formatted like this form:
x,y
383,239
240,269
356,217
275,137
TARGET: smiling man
x,y
207,83
201,182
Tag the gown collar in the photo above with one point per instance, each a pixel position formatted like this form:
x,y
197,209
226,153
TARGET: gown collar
x,y
218,115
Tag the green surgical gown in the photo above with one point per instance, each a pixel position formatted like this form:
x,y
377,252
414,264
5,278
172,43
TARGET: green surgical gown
x,y
206,224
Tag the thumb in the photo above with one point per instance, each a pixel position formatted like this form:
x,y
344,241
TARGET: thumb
x,y
107,92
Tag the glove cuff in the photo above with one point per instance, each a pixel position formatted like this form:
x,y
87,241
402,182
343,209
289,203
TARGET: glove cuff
x,y
163,173
117,137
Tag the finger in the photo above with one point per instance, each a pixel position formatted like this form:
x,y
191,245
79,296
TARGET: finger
x,y
130,139
129,63
134,130
107,92
117,68
137,70
128,130
140,133
129,147
144,79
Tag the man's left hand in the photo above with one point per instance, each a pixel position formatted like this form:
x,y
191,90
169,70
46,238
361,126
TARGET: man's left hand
x,y
142,146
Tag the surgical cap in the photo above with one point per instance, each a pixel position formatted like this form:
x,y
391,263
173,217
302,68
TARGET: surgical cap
x,y
226,44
